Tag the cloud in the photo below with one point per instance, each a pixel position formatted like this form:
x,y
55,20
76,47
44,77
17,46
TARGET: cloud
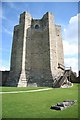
x,y
3,17
12,5
74,19
6,19
4,65
72,62
3,68
70,49
70,43
7,31
71,30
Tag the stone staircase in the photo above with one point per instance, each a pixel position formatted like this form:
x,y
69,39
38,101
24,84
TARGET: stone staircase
x,y
60,80
67,77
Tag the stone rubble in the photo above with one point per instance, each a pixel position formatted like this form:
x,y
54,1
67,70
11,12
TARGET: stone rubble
x,y
63,105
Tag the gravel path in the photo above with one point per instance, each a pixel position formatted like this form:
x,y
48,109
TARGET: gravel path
x,y
13,92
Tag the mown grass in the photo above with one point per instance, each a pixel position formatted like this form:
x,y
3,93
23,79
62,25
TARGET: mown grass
x,y
37,104
8,89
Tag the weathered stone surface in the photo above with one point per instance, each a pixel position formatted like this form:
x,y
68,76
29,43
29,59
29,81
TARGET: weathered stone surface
x,y
36,51
63,105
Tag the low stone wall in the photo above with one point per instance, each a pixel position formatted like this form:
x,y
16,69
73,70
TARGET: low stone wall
x,y
73,78
5,74
0,78
78,79
3,77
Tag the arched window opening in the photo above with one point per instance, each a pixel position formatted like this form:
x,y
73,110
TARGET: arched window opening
x,y
36,26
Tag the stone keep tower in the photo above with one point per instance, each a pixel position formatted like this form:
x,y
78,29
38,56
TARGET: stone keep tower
x,y
37,50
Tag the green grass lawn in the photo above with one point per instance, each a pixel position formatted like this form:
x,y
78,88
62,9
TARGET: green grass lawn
x,y
8,89
37,104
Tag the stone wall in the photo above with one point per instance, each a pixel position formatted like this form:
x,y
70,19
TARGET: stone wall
x,y
60,54
0,78
3,77
36,51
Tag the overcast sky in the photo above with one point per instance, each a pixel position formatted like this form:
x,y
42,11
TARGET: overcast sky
x,y
66,14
